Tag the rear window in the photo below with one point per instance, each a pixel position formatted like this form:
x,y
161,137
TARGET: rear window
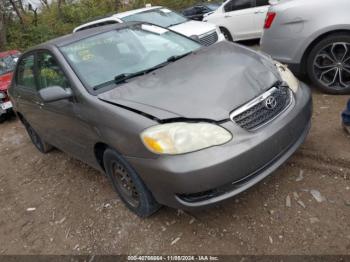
x,y
25,73
111,22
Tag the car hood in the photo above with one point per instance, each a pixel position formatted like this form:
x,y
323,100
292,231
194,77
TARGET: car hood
x,y
5,81
191,28
207,84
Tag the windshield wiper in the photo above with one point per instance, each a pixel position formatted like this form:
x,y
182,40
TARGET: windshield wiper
x,y
121,78
125,76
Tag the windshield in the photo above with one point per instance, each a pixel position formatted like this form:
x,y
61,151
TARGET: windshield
x,y
162,17
100,59
8,63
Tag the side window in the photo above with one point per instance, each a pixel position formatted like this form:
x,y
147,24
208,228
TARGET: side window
x,y
189,11
49,72
262,2
235,5
25,73
200,10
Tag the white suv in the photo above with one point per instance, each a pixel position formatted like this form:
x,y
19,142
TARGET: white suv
x,y
240,19
206,33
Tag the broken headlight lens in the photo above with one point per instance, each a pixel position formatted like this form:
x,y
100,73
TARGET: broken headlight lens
x,y
287,76
182,137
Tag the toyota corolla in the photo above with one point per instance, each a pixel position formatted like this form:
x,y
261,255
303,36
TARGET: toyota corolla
x,y
170,122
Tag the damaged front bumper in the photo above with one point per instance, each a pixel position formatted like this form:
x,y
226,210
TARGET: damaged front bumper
x,y
212,175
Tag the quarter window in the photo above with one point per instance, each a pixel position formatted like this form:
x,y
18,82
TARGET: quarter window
x,y
49,72
235,5
25,73
262,2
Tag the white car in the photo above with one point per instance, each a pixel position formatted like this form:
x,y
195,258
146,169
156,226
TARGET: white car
x,y
240,19
206,33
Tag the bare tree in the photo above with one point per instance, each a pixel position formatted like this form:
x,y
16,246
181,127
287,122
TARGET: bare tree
x,y
116,5
3,40
45,3
18,13
59,6
35,12
20,4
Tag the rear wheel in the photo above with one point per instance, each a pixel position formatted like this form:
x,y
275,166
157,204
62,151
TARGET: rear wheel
x,y
129,185
226,34
37,141
328,65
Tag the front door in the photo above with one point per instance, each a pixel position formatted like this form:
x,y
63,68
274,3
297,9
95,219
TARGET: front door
x,y
26,95
66,129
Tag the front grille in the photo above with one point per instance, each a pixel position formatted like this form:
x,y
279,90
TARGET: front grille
x,y
263,109
209,39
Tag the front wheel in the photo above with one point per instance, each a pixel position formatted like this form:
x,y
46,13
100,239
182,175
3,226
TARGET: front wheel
x,y
328,64
129,185
226,34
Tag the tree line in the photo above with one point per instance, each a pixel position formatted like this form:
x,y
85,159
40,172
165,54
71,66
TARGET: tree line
x,y
23,25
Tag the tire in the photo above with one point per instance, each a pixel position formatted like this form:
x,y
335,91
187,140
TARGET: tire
x,y
128,185
328,64
226,34
37,141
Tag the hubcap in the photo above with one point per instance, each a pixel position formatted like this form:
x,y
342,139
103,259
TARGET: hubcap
x,y
332,65
125,184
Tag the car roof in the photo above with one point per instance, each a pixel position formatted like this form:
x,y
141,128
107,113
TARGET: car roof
x,y
73,37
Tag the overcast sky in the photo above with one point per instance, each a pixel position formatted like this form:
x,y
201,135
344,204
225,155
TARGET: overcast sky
x,y
35,3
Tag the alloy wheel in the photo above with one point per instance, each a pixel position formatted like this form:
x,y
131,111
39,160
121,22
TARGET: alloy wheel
x,y
331,65
125,184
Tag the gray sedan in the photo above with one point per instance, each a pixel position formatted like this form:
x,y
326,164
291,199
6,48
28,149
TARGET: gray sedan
x,y
167,120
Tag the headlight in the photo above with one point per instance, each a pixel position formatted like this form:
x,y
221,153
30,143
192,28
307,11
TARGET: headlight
x,y
288,77
181,137
195,37
2,95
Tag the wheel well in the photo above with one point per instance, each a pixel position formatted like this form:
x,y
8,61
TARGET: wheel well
x,y
224,28
99,150
21,118
313,43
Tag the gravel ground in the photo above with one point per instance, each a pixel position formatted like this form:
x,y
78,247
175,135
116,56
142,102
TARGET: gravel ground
x,y
54,204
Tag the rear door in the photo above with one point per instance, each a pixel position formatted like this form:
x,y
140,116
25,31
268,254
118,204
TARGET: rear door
x,y
239,19
25,93
260,11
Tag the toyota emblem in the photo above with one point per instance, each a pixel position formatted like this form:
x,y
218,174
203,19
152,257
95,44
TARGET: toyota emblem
x,y
270,103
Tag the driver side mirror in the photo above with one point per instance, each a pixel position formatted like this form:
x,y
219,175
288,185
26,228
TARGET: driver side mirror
x,y
55,93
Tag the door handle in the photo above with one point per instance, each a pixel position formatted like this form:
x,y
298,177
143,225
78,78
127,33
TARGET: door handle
x,y
259,12
227,16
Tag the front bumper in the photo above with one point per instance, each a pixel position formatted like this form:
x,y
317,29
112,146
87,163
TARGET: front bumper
x,y
208,176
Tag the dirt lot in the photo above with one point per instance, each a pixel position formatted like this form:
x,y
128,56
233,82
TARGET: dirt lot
x,y
53,204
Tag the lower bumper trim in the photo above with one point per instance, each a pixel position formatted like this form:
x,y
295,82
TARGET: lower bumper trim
x,y
236,187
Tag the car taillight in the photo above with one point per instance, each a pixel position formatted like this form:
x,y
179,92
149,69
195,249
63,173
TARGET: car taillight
x,y
269,19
